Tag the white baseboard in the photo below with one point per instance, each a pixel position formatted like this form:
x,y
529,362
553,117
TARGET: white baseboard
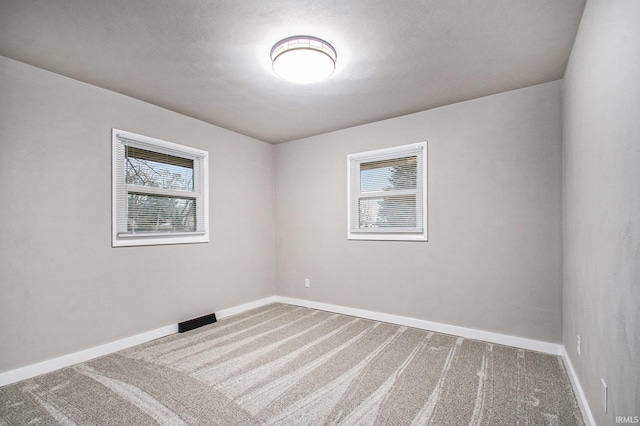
x,y
581,397
33,370
47,366
224,313
502,339
469,333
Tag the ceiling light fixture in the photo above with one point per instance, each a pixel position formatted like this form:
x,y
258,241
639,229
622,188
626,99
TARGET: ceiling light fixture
x,y
303,59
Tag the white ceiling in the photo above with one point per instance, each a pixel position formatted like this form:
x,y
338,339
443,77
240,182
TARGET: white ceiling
x,y
209,59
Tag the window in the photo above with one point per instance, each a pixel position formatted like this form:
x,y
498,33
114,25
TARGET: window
x,y
160,192
388,194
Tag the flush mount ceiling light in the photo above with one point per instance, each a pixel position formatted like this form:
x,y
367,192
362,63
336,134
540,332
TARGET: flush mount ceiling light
x,y
303,59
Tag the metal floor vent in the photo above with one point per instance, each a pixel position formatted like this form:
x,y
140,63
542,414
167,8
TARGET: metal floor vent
x,y
196,322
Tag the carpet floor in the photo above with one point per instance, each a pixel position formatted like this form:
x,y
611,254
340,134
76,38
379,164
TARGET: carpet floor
x,y
286,365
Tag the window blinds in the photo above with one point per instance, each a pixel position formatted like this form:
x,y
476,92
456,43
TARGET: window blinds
x,y
386,191
159,190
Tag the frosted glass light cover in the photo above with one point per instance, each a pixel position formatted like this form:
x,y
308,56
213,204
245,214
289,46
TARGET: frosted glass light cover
x,y
303,59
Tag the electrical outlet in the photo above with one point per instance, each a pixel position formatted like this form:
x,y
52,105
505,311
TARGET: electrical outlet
x,y
605,394
307,282
579,348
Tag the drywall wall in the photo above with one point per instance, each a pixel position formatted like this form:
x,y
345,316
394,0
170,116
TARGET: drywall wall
x,y
493,259
601,205
63,288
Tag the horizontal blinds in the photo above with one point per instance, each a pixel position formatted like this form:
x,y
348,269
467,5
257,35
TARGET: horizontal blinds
x,y
387,212
199,188
150,188
120,189
386,192
393,162
166,148
152,213
158,157
388,175
158,170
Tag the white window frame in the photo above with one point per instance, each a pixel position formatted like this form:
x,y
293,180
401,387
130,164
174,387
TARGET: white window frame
x,y
354,194
123,238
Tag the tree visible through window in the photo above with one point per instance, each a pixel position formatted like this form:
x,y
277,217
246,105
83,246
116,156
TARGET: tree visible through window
x,y
388,193
160,191
159,213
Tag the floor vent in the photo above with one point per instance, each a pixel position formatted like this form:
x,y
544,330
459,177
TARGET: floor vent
x,y
196,322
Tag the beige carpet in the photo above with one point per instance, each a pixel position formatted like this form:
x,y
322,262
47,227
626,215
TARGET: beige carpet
x,y
282,364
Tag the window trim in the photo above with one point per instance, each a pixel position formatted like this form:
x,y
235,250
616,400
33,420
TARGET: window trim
x,y
121,139
354,193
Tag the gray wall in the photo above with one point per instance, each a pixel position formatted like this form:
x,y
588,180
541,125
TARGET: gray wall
x,y
601,182
62,287
493,261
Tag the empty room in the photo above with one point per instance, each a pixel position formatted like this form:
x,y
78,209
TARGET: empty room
x,y
390,212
